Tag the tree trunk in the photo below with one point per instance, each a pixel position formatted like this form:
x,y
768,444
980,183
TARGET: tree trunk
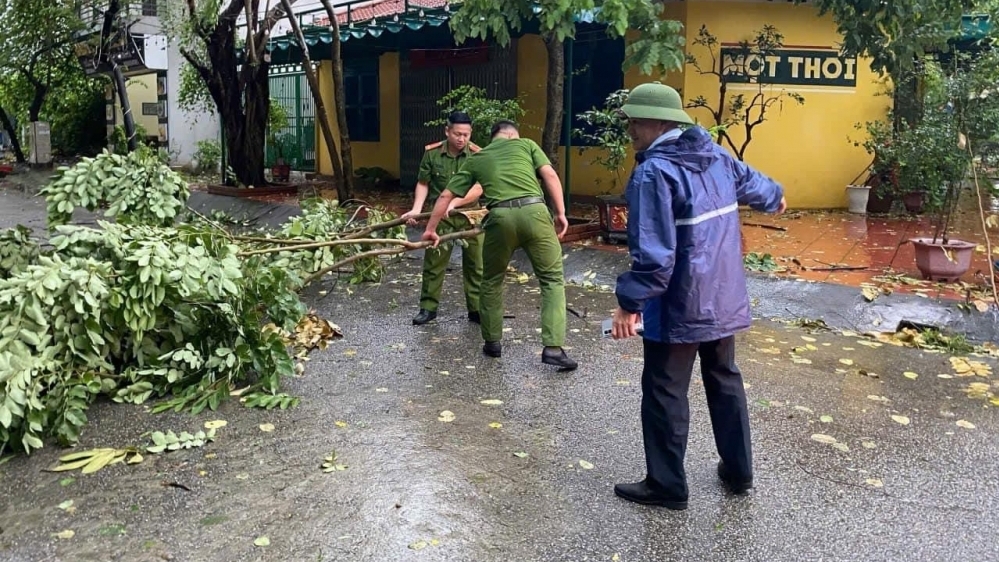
x,y
554,104
37,101
339,103
324,122
9,127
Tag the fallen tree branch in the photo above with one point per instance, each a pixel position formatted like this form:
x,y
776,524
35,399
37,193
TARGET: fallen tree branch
x,y
406,246
767,226
338,242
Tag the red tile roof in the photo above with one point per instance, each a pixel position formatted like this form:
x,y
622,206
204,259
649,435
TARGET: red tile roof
x,y
377,9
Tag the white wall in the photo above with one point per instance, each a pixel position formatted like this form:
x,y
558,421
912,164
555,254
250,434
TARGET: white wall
x,y
185,128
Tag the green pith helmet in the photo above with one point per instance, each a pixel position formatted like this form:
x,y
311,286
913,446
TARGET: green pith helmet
x,y
656,101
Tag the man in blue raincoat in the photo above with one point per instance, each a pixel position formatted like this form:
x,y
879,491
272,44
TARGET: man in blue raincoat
x,y
687,287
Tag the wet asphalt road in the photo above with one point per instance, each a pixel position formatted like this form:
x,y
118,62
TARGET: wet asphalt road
x,y
459,487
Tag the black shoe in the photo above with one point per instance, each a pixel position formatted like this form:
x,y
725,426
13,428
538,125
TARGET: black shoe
x,y
424,316
643,493
737,487
474,317
493,348
556,356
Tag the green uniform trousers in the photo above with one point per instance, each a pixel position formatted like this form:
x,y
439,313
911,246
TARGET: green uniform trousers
x,y
435,261
530,228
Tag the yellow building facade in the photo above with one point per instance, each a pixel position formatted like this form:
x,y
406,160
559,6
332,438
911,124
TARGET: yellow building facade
x,y
808,148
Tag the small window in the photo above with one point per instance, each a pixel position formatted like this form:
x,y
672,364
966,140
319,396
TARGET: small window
x,y
597,62
150,7
360,89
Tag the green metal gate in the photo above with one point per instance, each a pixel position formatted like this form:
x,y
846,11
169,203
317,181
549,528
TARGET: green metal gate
x,y
290,88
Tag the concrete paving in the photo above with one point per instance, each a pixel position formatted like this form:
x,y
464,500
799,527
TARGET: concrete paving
x,y
923,491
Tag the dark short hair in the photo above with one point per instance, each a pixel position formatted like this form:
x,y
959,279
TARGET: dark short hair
x,y
503,125
458,118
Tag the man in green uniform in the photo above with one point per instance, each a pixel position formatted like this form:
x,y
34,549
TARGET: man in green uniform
x,y
507,174
440,163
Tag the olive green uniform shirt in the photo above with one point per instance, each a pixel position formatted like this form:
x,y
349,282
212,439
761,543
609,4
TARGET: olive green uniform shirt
x,y
506,169
438,166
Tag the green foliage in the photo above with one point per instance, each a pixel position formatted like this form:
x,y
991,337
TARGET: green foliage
x,y
923,157
729,111
319,219
137,188
171,441
895,35
75,113
192,95
209,156
483,110
17,250
657,47
607,130
134,312
754,261
37,46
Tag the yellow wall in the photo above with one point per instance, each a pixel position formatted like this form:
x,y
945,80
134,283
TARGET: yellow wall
x,y
804,147
382,154
141,89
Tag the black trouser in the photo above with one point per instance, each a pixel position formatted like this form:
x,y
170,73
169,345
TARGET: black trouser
x,y
666,410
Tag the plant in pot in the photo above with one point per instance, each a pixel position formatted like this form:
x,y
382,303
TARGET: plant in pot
x,y
279,140
605,131
958,112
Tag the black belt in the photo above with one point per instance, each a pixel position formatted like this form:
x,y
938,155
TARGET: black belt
x,y
519,202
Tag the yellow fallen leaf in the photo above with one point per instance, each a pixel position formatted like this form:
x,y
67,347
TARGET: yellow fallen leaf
x,y
870,293
491,402
823,438
826,419
615,558
381,390
496,425
622,382
842,447
67,534
846,361
418,545
202,473
965,424
804,409
340,423
770,350
874,482
586,465
965,367
868,444
910,375
215,424
350,352
446,416
900,419
808,339
261,541
267,427
877,398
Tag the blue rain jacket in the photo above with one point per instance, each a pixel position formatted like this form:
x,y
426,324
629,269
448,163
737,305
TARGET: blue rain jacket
x,y
687,275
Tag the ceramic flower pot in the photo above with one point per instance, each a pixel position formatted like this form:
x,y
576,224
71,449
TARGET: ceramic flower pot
x,y
879,202
914,201
943,262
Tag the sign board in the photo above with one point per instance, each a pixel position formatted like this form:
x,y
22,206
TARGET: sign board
x,y
792,67
151,108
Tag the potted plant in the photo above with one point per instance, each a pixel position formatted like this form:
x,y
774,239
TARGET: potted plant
x,y
960,110
606,130
280,140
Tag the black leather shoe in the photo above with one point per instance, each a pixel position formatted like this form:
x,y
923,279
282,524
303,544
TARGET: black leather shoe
x,y
423,317
643,493
474,317
556,356
738,487
493,348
